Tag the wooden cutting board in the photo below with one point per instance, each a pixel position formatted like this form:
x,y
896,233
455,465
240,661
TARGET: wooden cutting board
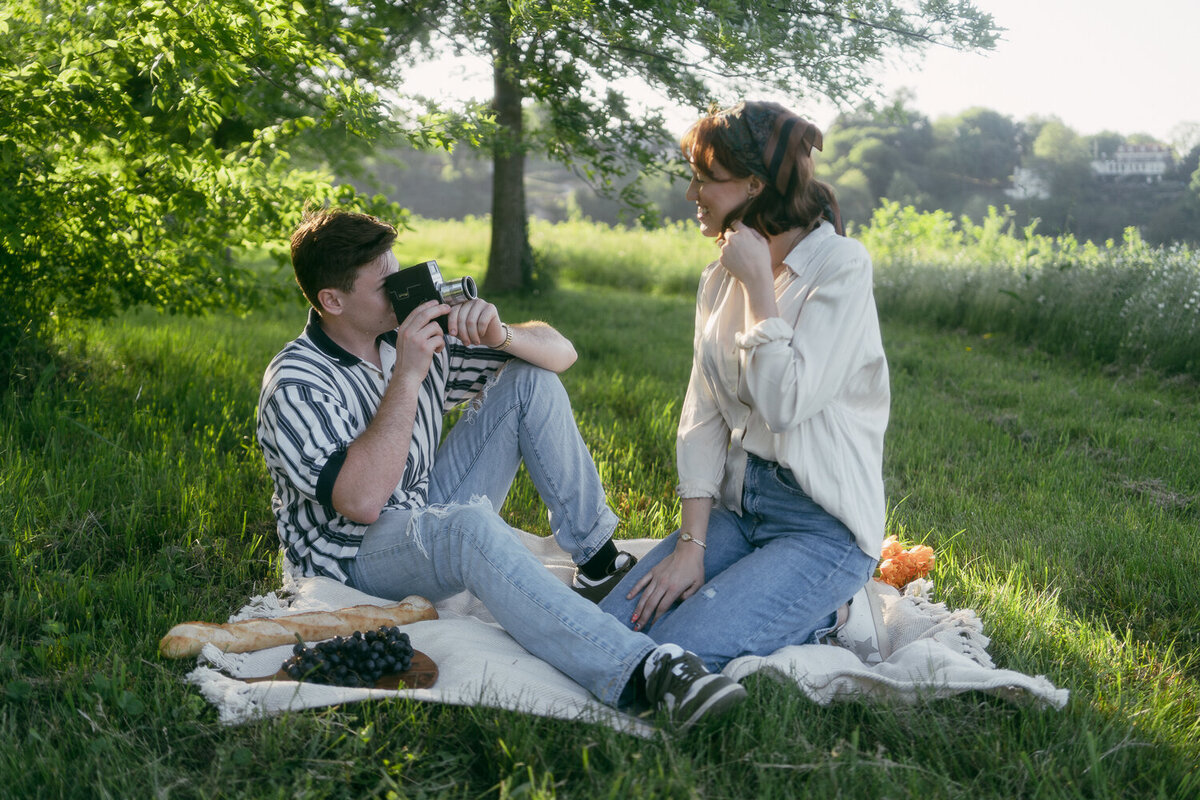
x,y
421,674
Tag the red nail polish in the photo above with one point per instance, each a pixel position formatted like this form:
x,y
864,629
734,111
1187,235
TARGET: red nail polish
x,y
634,618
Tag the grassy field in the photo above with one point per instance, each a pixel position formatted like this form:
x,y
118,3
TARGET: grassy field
x,y
1062,498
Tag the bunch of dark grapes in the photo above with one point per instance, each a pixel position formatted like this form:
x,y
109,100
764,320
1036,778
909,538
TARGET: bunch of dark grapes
x,y
357,660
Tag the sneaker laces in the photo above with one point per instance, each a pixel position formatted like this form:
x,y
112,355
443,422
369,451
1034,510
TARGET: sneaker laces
x,y
689,670
659,679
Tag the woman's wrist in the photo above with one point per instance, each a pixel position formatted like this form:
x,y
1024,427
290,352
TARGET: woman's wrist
x,y
762,305
687,538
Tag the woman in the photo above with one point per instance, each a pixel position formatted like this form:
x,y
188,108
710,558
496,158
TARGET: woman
x,y
780,441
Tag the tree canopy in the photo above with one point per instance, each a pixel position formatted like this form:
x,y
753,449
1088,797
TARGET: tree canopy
x,y
568,58
141,140
967,162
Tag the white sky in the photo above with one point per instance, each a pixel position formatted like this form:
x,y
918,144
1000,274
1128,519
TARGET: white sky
x,y
1129,67
1098,65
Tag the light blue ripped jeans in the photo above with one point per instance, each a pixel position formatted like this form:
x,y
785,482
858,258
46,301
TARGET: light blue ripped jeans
x,y
774,576
457,544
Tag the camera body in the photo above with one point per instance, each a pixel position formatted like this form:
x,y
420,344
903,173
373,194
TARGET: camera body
x,y
411,286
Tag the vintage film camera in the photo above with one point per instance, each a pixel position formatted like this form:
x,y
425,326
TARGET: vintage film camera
x,y
413,285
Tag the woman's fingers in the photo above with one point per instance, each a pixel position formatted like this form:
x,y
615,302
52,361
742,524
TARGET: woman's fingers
x,y
656,600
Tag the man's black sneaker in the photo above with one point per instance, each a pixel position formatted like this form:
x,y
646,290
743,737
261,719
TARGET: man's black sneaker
x,y
596,589
678,682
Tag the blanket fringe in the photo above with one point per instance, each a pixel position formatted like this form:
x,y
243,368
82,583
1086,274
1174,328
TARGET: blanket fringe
x,y
960,630
262,606
236,701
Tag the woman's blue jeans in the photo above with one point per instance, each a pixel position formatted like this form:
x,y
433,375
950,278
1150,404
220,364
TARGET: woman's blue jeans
x,y
460,541
774,576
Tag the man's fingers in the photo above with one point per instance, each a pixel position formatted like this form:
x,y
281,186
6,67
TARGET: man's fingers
x,y
424,314
473,312
470,321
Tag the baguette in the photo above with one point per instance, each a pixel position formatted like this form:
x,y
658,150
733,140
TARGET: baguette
x,y
189,638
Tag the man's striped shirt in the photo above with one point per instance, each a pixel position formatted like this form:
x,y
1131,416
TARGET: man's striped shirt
x,y
316,399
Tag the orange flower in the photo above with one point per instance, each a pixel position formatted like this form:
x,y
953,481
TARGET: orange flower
x,y
899,566
891,548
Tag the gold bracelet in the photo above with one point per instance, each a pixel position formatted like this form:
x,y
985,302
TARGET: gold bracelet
x,y
507,337
684,536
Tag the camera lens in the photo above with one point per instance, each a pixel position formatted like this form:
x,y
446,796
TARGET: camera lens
x,y
459,291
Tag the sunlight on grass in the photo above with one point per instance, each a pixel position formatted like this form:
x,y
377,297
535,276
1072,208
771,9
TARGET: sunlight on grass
x,y
1150,683
1061,500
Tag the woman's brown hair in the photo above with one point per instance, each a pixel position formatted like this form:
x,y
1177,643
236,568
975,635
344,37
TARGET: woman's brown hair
x,y
768,141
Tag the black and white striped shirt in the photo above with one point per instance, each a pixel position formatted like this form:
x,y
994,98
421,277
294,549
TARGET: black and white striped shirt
x,y
316,399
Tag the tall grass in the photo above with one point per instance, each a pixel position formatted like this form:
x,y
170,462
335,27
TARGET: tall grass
x,y
1062,500
1114,303
664,261
1121,303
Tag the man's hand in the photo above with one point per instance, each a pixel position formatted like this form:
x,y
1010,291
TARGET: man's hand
x,y
476,322
419,338
374,462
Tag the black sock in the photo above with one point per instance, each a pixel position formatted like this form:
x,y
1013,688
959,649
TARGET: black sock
x,y
600,564
639,679
634,693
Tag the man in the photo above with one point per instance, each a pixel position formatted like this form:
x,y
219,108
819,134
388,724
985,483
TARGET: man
x,y
349,421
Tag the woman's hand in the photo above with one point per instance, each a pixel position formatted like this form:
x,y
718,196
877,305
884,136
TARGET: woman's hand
x,y
676,577
746,253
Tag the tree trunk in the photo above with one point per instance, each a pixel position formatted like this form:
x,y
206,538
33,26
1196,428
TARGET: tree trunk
x,y
510,262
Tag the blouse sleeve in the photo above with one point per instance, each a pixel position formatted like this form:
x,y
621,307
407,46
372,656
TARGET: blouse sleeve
x,y
700,442
791,372
703,436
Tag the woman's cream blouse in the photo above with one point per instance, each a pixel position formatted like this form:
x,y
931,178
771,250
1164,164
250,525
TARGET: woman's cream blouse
x,y
807,389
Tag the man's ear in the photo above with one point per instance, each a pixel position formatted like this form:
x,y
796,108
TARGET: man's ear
x,y
330,300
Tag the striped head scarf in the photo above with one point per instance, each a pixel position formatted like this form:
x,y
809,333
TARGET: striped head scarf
x,y
770,140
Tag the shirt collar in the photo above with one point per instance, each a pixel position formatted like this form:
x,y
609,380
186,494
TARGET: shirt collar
x,y
796,258
329,347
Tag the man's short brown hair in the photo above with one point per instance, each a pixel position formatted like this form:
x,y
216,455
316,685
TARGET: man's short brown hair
x,y
330,245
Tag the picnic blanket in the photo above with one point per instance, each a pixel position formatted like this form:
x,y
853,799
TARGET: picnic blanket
x,y
936,652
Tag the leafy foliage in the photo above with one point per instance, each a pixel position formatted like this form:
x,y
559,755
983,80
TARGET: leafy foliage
x,y
142,142
570,59
1125,302
968,162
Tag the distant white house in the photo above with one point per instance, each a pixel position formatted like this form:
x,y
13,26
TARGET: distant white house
x,y
1145,161
1028,184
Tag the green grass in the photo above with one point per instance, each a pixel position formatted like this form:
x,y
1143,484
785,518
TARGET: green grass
x,y
1121,303
1063,501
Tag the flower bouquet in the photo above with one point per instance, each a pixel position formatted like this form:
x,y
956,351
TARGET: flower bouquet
x,y
899,566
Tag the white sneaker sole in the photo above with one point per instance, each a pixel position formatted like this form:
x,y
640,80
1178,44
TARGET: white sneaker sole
x,y
865,631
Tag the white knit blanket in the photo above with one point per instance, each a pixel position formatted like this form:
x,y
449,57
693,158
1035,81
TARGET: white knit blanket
x,y
936,653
